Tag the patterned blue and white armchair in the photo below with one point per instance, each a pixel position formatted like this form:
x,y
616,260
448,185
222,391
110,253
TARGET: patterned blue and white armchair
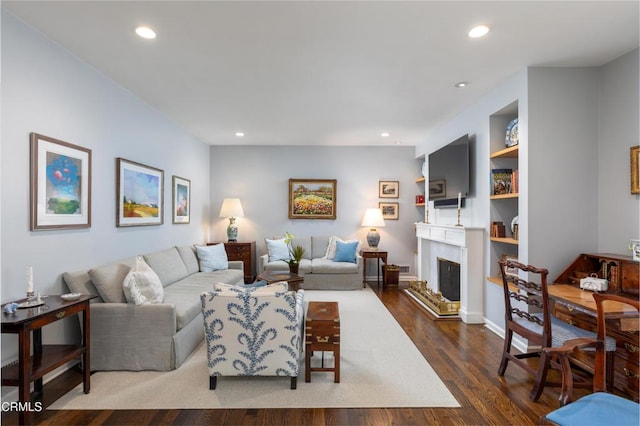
x,y
253,332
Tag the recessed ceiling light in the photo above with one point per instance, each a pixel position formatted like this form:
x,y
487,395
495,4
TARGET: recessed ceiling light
x,y
385,134
146,32
461,84
239,134
479,31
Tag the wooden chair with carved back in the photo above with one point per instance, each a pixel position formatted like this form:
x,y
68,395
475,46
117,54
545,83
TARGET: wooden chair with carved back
x,y
528,314
600,407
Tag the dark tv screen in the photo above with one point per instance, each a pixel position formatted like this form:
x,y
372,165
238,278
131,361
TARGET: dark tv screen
x,y
449,171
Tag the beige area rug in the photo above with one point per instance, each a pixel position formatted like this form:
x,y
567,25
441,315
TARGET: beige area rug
x,y
380,367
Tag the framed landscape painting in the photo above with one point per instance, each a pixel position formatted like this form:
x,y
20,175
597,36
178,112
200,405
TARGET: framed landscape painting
x,y
60,184
312,198
390,211
139,192
388,189
181,200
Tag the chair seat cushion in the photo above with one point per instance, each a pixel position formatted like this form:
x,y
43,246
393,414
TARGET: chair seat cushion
x,y
597,409
561,332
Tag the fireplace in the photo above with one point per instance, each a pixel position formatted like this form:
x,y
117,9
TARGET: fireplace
x,y
449,279
458,244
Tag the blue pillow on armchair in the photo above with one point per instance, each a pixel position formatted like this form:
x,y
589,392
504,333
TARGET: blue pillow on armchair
x,y
346,252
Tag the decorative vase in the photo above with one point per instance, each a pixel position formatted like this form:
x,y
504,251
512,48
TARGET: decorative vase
x,y
293,268
232,230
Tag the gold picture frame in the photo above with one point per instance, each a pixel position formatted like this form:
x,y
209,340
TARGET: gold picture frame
x,y
635,169
312,198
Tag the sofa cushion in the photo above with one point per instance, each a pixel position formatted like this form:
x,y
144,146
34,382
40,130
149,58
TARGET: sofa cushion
x,y
326,266
189,257
212,258
331,247
305,243
167,264
277,249
184,296
80,282
346,252
108,279
142,285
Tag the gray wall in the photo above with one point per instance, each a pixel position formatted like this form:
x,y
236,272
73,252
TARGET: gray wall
x,y
619,210
46,90
260,175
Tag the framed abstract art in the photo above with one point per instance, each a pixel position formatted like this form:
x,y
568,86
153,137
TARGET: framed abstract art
x,y
139,194
60,184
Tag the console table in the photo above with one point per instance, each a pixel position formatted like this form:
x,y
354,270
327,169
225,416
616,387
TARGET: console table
x,y
46,358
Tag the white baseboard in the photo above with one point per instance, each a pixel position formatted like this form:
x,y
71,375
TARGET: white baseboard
x,y
517,342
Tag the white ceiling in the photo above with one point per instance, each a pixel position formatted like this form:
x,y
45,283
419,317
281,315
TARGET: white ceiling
x,y
326,73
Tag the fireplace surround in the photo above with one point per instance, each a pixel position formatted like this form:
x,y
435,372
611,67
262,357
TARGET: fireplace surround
x,y
456,244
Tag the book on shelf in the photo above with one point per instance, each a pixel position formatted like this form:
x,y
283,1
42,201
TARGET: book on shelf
x,y
514,182
498,230
501,181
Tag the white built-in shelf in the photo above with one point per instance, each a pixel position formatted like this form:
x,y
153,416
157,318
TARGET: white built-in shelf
x,y
504,196
504,240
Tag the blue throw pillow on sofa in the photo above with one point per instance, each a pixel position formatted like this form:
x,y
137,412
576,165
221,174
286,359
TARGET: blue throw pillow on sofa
x,y
346,252
212,258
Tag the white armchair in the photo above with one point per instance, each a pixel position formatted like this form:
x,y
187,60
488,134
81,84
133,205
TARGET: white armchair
x,y
254,332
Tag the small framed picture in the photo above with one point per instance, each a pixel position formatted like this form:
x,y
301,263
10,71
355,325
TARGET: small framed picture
x,y
437,189
389,210
60,184
181,199
635,169
510,271
388,189
139,192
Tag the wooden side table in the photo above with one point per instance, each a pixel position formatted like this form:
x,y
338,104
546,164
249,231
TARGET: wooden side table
x,y
322,333
45,358
372,254
245,252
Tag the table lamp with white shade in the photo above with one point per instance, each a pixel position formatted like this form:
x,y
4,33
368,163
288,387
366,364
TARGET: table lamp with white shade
x,y
232,209
373,219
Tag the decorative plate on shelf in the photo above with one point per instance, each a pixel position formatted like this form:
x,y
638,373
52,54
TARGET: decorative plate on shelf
x,y
70,296
511,133
424,168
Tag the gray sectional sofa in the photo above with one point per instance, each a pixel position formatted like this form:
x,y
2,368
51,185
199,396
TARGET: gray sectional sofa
x,y
319,272
125,336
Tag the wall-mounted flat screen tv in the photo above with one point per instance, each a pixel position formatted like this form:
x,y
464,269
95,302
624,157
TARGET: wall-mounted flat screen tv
x,y
449,173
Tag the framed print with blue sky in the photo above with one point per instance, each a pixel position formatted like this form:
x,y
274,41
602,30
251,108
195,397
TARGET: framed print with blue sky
x,y
181,200
139,192
60,184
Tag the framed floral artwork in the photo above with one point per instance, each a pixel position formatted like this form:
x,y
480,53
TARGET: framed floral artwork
x,y
181,199
139,194
390,211
388,189
60,184
312,198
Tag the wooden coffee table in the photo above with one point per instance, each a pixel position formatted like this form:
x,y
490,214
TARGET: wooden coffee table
x,y
322,333
294,280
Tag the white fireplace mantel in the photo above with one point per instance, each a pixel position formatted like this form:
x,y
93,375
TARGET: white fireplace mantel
x,y
459,244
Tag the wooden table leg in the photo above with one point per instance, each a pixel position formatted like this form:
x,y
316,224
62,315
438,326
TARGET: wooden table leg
x,y
336,356
24,375
86,357
307,364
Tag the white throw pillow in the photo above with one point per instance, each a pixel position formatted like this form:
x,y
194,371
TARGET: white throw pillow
x,y
142,285
331,248
212,258
277,249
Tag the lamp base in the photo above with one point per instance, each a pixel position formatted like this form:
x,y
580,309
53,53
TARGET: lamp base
x,y
232,230
373,238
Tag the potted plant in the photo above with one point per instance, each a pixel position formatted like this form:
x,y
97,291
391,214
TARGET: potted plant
x,y
296,253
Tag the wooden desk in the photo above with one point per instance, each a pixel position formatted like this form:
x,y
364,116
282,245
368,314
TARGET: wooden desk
x,y
577,307
46,358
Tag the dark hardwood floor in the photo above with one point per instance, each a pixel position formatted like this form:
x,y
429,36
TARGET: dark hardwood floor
x,y
466,358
